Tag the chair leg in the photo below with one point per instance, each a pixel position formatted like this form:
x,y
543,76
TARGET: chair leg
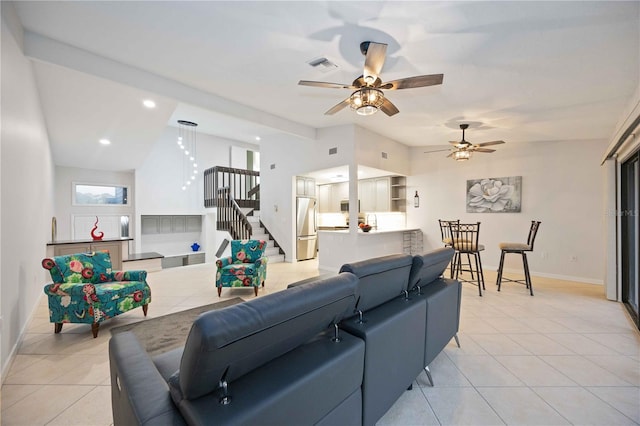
x,y
255,290
94,329
480,284
499,280
262,284
219,291
145,308
57,327
455,336
452,265
426,370
527,276
480,271
470,268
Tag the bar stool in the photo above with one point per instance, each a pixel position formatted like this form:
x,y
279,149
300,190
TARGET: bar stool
x,y
445,234
519,248
465,237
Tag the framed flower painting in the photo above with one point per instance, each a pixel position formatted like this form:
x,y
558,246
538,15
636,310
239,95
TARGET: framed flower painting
x,y
494,195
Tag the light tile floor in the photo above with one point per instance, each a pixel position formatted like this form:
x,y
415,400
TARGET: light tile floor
x,y
565,356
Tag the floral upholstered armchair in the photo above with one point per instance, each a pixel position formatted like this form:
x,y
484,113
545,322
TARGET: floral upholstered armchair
x,y
86,290
246,267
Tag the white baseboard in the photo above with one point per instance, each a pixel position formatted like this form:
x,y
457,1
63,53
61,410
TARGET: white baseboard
x,y
546,275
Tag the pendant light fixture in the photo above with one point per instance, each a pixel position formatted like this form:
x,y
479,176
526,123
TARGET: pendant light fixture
x,y
188,148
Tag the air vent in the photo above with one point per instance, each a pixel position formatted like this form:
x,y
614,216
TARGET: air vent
x,y
273,166
384,155
333,151
323,64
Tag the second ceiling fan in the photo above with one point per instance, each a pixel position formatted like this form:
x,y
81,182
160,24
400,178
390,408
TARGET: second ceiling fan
x,y
368,97
463,149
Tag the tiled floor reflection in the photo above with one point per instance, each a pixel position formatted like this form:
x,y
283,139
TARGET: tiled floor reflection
x,y
565,356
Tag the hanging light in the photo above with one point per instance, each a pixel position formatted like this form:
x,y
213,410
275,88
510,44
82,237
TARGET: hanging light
x,y
366,101
188,145
462,155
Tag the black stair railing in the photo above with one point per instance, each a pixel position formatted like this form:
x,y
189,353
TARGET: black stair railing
x,y
243,186
230,216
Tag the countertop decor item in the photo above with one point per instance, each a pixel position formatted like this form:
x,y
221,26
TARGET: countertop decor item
x,y
97,236
365,228
195,246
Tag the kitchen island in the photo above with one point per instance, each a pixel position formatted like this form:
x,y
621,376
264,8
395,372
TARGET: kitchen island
x,y
337,247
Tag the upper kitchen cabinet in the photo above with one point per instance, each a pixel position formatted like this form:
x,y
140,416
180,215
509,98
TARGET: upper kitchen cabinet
x,y
383,194
305,186
331,195
374,194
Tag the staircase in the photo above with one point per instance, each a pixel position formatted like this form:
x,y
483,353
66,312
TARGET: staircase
x,y
259,233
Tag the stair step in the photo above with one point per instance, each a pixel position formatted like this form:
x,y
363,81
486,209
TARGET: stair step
x,y
272,251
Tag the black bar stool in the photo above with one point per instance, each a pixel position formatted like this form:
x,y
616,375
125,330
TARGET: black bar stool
x,y
465,238
519,248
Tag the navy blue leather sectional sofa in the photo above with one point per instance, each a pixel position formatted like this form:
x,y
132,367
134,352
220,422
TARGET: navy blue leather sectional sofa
x,y
326,351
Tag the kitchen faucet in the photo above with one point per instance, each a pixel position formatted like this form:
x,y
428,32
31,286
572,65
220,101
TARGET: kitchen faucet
x,y
373,223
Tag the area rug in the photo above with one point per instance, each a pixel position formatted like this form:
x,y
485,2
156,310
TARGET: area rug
x,y
161,334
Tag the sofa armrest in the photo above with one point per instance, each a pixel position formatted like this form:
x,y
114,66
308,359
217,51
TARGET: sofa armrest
x,y
139,394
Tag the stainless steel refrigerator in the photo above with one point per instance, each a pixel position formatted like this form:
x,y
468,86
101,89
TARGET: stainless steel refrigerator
x,y
306,229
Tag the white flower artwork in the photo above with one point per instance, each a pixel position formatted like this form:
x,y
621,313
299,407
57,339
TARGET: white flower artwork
x,y
494,195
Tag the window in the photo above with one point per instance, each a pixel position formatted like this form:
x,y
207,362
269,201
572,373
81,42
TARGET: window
x,y
100,195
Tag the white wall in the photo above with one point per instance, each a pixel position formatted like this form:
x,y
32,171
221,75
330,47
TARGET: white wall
x,y
158,182
369,149
66,176
562,186
26,178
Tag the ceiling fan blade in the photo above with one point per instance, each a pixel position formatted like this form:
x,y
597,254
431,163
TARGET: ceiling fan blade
x,y
388,108
375,60
490,143
412,82
454,142
452,152
325,84
484,150
437,150
337,107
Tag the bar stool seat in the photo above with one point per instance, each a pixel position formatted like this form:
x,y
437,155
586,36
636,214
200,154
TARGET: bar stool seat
x,y
521,249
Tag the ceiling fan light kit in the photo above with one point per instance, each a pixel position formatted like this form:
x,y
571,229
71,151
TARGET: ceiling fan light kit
x,y
366,101
462,155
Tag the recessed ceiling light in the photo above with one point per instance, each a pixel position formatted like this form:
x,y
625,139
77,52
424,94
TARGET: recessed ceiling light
x,y
149,103
258,138
105,141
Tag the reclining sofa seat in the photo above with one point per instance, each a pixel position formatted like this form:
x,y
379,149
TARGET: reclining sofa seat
x,y
442,296
271,360
392,327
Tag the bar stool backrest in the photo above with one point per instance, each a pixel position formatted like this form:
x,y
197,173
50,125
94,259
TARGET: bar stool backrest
x,y
445,231
465,236
533,231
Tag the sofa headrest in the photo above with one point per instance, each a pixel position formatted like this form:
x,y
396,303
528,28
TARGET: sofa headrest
x,y
230,342
429,267
380,279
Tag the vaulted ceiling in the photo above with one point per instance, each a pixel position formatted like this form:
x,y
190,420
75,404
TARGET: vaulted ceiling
x,y
517,71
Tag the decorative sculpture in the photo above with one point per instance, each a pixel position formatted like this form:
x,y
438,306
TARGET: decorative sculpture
x,y
96,236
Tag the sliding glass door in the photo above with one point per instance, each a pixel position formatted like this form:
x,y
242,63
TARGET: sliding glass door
x,y
630,226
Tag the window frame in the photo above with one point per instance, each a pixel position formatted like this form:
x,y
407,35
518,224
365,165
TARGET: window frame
x,y
74,193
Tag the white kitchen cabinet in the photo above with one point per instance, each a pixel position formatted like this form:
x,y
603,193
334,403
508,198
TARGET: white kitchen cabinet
x,y
325,200
375,194
305,186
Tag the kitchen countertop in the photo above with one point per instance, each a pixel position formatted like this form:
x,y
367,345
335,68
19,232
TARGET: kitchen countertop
x,y
372,232
88,240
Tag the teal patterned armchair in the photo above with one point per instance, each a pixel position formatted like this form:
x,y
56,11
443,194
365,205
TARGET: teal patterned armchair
x,y
246,267
86,290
